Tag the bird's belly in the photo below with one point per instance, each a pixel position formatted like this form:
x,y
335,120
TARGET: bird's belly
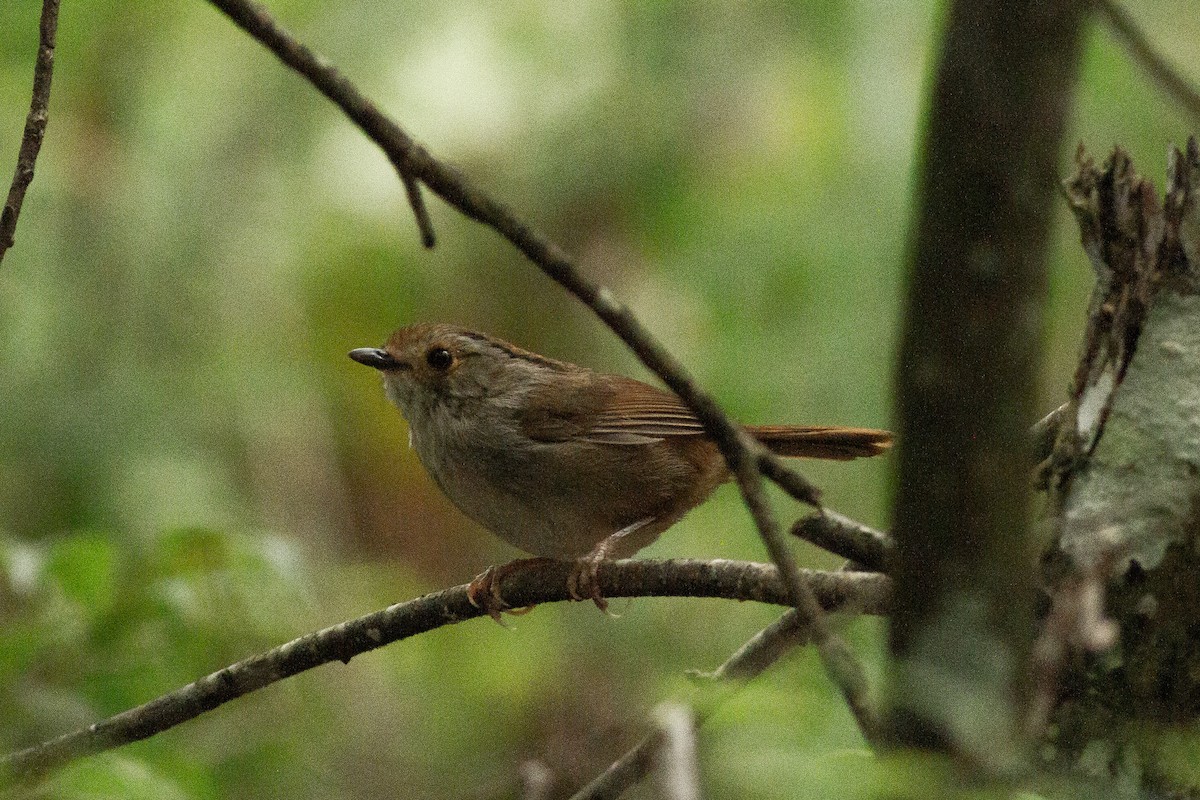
x,y
526,504
561,499
529,522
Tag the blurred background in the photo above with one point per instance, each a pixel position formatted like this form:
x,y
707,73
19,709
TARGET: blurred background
x,y
192,470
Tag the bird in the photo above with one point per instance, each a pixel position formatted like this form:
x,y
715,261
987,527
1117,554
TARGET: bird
x,y
559,460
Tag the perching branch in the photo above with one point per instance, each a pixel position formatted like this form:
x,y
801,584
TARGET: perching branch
x,y
744,456
546,583
35,126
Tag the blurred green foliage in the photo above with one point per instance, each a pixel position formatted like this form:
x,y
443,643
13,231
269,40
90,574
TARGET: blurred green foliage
x,y
191,470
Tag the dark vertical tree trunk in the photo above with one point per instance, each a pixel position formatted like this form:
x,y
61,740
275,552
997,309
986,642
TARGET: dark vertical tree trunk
x,y
965,588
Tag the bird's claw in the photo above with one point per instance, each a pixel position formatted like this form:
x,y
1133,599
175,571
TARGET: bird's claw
x,y
484,591
584,582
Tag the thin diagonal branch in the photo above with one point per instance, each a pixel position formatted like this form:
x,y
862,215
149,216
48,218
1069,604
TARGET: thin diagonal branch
x,y
747,663
396,144
35,126
545,583
415,163
743,456
763,649
1154,63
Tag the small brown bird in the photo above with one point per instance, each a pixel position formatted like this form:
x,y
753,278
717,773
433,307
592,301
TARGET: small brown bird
x,y
556,459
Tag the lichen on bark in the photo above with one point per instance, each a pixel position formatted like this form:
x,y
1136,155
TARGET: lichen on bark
x,y
1129,461
1125,477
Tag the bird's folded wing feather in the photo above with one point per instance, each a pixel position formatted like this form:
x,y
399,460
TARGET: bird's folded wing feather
x,y
622,411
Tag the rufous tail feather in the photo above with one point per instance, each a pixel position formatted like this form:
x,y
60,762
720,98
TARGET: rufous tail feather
x,y
842,444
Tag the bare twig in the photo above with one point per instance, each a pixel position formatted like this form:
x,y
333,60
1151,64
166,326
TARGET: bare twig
x,y
35,126
678,771
417,201
408,158
762,650
848,538
836,657
743,455
625,771
784,476
747,663
546,583
1143,52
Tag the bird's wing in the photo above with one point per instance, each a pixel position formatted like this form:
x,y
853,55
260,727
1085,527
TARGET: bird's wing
x,y
615,410
639,411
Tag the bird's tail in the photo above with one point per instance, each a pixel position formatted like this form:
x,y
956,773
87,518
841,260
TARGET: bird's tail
x,y
813,441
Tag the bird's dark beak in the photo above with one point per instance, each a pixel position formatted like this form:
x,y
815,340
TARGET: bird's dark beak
x,y
375,357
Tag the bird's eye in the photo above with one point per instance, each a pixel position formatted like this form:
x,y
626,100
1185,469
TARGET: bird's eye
x,y
439,358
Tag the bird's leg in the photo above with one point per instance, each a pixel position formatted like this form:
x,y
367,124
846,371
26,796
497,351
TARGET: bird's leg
x,y
484,591
583,582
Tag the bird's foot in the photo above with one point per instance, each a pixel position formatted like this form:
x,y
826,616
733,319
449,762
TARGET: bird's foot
x,y
584,581
484,591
